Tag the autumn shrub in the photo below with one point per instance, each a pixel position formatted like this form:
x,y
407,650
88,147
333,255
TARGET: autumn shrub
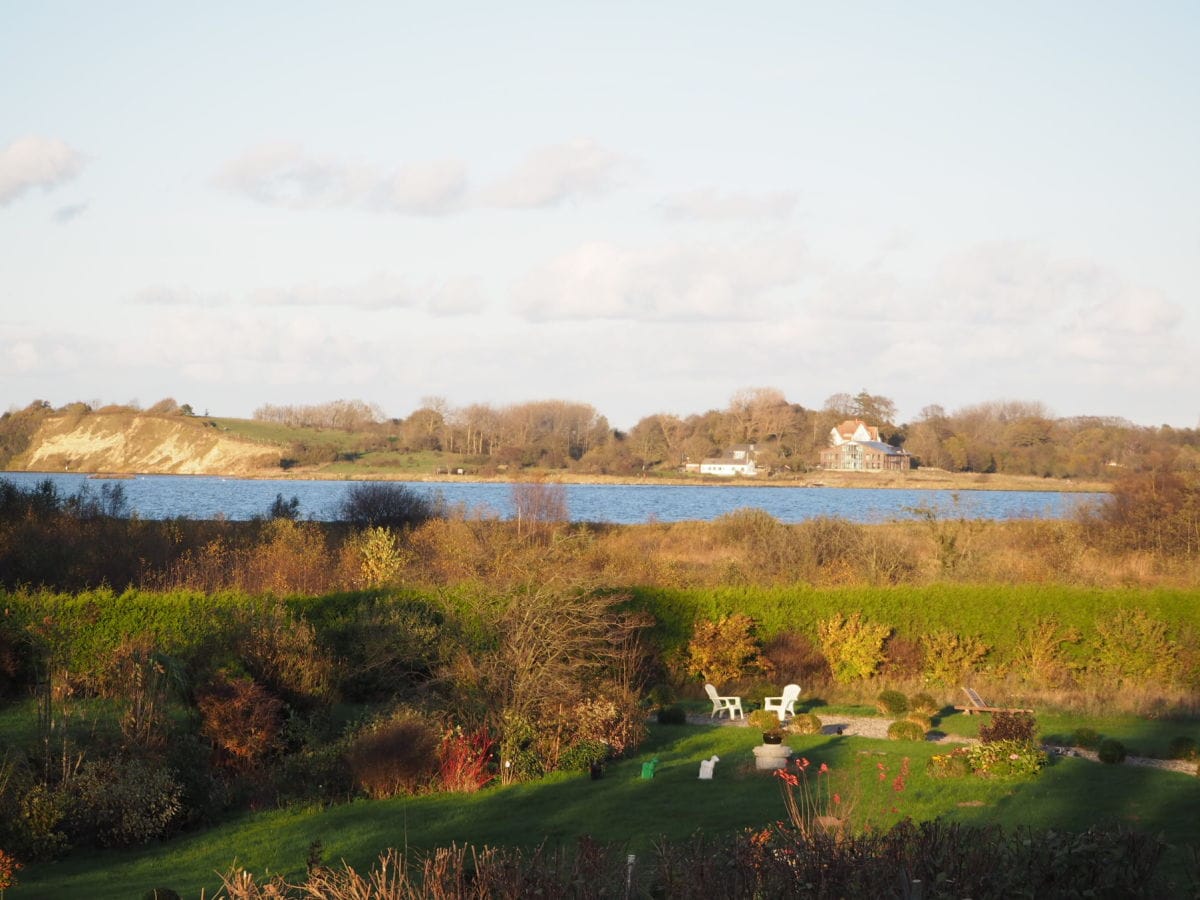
x,y
614,718
795,659
241,719
853,646
725,650
373,557
925,704
397,755
9,866
1136,647
1155,510
122,802
1008,726
1041,657
903,658
891,703
465,761
289,558
905,730
834,546
950,659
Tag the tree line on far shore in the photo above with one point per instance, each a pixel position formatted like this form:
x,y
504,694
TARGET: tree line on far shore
x,y
1005,437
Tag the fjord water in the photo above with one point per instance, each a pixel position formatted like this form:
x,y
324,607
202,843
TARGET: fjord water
x,y
210,497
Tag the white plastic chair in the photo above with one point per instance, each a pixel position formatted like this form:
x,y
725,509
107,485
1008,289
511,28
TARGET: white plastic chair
x,y
784,705
731,705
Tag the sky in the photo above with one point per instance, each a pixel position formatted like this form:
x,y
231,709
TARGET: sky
x,y
647,207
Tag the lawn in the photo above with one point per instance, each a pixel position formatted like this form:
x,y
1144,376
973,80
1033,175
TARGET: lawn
x,y
623,808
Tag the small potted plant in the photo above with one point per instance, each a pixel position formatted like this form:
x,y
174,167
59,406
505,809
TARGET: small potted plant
x,y
768,723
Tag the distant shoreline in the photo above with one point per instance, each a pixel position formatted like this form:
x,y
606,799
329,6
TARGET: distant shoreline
x,y
921,479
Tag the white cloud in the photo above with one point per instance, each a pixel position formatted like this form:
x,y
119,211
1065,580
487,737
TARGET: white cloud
x,y
710,205
673,282
1014,282
34,161
166,295
285,175
554,175
459,297
379,292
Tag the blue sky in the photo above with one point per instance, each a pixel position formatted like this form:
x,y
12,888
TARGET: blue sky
x,y
645,207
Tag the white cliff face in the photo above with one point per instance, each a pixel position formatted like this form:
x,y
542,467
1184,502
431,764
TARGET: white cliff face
x,y
131,443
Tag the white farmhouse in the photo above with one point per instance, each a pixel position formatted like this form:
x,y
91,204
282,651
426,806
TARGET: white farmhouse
x,y
737,460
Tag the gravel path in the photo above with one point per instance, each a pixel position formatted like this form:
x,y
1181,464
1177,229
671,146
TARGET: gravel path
x,y
876,727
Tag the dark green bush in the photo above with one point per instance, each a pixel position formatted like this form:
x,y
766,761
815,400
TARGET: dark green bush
x,y
122,803
1111,751
904,730
1182,747
891,703
581,756
672,715
1088,738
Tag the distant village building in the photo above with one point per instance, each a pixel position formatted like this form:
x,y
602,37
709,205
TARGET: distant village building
x,y
736,460
855,446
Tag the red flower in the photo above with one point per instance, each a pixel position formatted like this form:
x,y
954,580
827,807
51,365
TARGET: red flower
x,y
824,768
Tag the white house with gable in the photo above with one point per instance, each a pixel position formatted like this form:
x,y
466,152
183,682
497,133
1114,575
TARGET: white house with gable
x,y
737,460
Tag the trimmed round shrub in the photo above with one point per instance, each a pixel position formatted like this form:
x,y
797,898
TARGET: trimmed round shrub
x,y
1111,751
805,723
672,715
904,730
763,720
1085,737
924,722
1182,747
924,704
891,703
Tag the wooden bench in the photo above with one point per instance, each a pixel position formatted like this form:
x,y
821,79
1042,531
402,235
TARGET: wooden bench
x,y
979,706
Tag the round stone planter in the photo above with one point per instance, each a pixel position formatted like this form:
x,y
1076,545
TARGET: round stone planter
x,y
771,756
